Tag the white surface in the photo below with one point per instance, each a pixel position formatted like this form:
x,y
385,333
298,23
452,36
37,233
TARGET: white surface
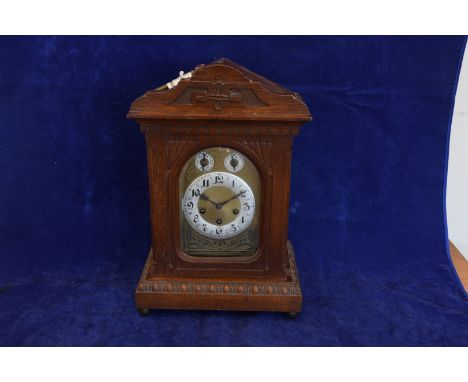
x,y
457,182
213,17
210,364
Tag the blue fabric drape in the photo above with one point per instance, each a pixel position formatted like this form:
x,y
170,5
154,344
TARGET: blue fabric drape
x,y
367,196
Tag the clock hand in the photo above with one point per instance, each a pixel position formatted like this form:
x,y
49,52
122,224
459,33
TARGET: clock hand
x,y
204,162
204,197
220,205
234,197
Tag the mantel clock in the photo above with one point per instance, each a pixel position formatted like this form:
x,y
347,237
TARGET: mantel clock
x,y
219,143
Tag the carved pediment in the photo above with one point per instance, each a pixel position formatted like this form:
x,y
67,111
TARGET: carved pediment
x,y
218,94
222,90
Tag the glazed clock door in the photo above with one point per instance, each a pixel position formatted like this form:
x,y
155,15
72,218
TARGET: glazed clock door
x,y
220,197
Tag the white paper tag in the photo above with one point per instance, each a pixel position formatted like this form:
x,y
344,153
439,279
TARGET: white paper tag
x,y
175,82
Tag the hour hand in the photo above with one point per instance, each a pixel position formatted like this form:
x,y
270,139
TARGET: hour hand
x,y
204,197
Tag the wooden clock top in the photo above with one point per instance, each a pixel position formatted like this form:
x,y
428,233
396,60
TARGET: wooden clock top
x,y
222,90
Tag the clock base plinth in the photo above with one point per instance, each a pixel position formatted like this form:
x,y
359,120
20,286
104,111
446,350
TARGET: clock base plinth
x,y
219,294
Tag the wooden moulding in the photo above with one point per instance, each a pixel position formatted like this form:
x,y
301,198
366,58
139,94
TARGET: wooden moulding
x,y
210,294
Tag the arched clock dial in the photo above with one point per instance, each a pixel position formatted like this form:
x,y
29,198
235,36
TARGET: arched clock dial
x,y
219,205
204,161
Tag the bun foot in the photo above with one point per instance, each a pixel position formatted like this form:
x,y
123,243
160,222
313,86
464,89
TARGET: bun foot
x,y
144,312
292,315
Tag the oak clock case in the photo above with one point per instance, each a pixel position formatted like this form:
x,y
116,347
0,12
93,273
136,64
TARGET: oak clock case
x,y
219,146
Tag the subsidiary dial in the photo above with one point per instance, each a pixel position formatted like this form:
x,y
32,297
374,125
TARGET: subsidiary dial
x,y
203,161
234,162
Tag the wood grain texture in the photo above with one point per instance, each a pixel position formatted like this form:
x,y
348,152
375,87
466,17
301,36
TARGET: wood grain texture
x,y
460,264
228,294
222,104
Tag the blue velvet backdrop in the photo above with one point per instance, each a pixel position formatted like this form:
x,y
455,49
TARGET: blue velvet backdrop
x,y
366,209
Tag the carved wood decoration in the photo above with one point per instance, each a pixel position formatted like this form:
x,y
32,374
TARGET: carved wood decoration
x,y
225,105
222,90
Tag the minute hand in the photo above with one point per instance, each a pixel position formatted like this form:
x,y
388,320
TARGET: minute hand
x,y
234,197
